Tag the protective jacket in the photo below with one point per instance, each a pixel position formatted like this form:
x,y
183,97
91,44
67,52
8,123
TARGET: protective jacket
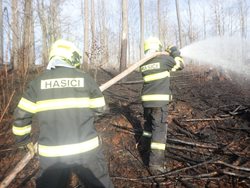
x,y
156,76
57,97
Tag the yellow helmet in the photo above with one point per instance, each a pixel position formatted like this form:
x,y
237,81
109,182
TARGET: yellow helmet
x,y
153,44
67,51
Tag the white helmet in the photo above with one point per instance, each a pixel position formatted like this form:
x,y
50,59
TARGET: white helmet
x,y
152,44
67,51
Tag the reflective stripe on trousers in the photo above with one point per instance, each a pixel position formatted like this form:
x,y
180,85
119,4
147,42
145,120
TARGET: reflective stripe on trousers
x,y
156,97
70,149
156,122
157,146
147,134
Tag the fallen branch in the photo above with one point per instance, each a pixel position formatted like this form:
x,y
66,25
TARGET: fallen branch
x,y
167,173
232,166
9,149
193,144
179,127
200,176
235,174
181,157
7,106
137,132
206,119
186,149
16,170
212,174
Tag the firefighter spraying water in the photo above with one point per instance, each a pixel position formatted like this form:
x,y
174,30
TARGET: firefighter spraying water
x,y
155,97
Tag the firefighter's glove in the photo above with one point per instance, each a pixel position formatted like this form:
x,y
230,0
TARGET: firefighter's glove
x,y
173,51
31,148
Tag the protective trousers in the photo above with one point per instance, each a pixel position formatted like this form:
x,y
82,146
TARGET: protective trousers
x,y
92,173
156,124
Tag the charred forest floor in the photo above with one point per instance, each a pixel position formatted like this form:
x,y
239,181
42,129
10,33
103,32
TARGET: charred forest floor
x,y
207,140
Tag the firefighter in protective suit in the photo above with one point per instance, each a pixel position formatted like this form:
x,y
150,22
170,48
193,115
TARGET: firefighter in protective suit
x,y
65,100
155,97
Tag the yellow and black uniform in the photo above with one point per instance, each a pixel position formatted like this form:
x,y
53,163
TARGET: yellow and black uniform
x,y
155,96
65,101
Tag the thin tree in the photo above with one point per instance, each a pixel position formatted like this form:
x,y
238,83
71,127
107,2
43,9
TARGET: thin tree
x,y
86,35
93,33
14,25
141,28
190,28
1,32
159,19
204,23
54,20
179,21
104,35
243,16
124,42
41,11
7,37
32,37
219,17
28,40
165,26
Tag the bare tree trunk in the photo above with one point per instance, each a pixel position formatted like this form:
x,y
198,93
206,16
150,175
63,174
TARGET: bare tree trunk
x,y
246,19
27,43
7,41
217,14
165,26
204,24
93,48
159,19
190,29
49,17
1,33
242,7
179,22
14,25
124,42
230,24
44,27
104,35
222,16
86,36
54,21
33,51
142,28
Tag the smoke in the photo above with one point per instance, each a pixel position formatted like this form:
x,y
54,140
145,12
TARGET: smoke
x,y
229,53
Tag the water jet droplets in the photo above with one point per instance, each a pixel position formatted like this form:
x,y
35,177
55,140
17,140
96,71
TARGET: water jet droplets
x,y
228,53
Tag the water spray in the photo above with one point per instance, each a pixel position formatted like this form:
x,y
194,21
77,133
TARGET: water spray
x,y
227,53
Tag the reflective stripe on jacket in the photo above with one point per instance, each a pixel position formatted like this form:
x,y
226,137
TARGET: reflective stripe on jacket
x,y
156,74
57,104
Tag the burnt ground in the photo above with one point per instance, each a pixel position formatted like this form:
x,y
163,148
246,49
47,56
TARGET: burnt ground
x,y
208,134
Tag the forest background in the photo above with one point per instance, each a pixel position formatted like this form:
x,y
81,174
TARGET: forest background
x,y
111,33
